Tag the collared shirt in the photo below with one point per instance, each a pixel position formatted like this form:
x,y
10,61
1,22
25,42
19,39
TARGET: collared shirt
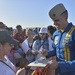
x,y
5,70
64,49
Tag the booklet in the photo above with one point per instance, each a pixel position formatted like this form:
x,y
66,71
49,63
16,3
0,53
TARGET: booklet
x,y
41,62
25,47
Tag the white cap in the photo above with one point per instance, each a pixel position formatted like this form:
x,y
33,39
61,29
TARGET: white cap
x,y
43,30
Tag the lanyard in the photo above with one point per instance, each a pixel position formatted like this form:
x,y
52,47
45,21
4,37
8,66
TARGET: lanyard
x,y
7,65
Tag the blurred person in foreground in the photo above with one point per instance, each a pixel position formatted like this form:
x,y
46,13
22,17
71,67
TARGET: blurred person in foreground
x,y
6,44
64,42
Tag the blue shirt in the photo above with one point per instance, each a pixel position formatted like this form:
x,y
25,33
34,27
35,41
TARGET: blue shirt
x,y
64,49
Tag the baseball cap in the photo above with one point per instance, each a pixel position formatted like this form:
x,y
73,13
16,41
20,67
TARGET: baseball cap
x,y
57,10
43,30
6,37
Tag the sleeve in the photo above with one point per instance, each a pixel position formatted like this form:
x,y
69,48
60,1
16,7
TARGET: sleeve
x,y
51,53
67,66
50,44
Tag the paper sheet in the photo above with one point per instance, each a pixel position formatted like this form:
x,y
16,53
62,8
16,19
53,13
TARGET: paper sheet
x,y
39,62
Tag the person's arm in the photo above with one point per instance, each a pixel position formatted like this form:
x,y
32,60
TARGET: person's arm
x,y
68,66
48,54
52,50
51,53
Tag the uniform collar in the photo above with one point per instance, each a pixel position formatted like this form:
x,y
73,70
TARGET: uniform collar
x,y
67,28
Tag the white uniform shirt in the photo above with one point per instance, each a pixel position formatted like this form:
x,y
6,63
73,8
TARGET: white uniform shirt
x,y
5,70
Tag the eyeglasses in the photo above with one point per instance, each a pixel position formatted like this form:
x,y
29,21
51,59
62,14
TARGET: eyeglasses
x,y
42,34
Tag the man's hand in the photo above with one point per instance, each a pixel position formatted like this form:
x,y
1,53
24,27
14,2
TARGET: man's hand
x,y
53,64
44,52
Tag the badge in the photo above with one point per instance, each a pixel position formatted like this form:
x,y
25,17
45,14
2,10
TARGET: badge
x,y
56,40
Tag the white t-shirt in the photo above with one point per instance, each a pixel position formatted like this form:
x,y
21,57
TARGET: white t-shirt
x,y
5,70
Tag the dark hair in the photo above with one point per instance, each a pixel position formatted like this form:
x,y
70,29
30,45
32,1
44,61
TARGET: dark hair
x,y
1,23
36,37
18,26
51,29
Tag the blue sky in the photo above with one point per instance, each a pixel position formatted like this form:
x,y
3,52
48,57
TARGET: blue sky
x,y
32,13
